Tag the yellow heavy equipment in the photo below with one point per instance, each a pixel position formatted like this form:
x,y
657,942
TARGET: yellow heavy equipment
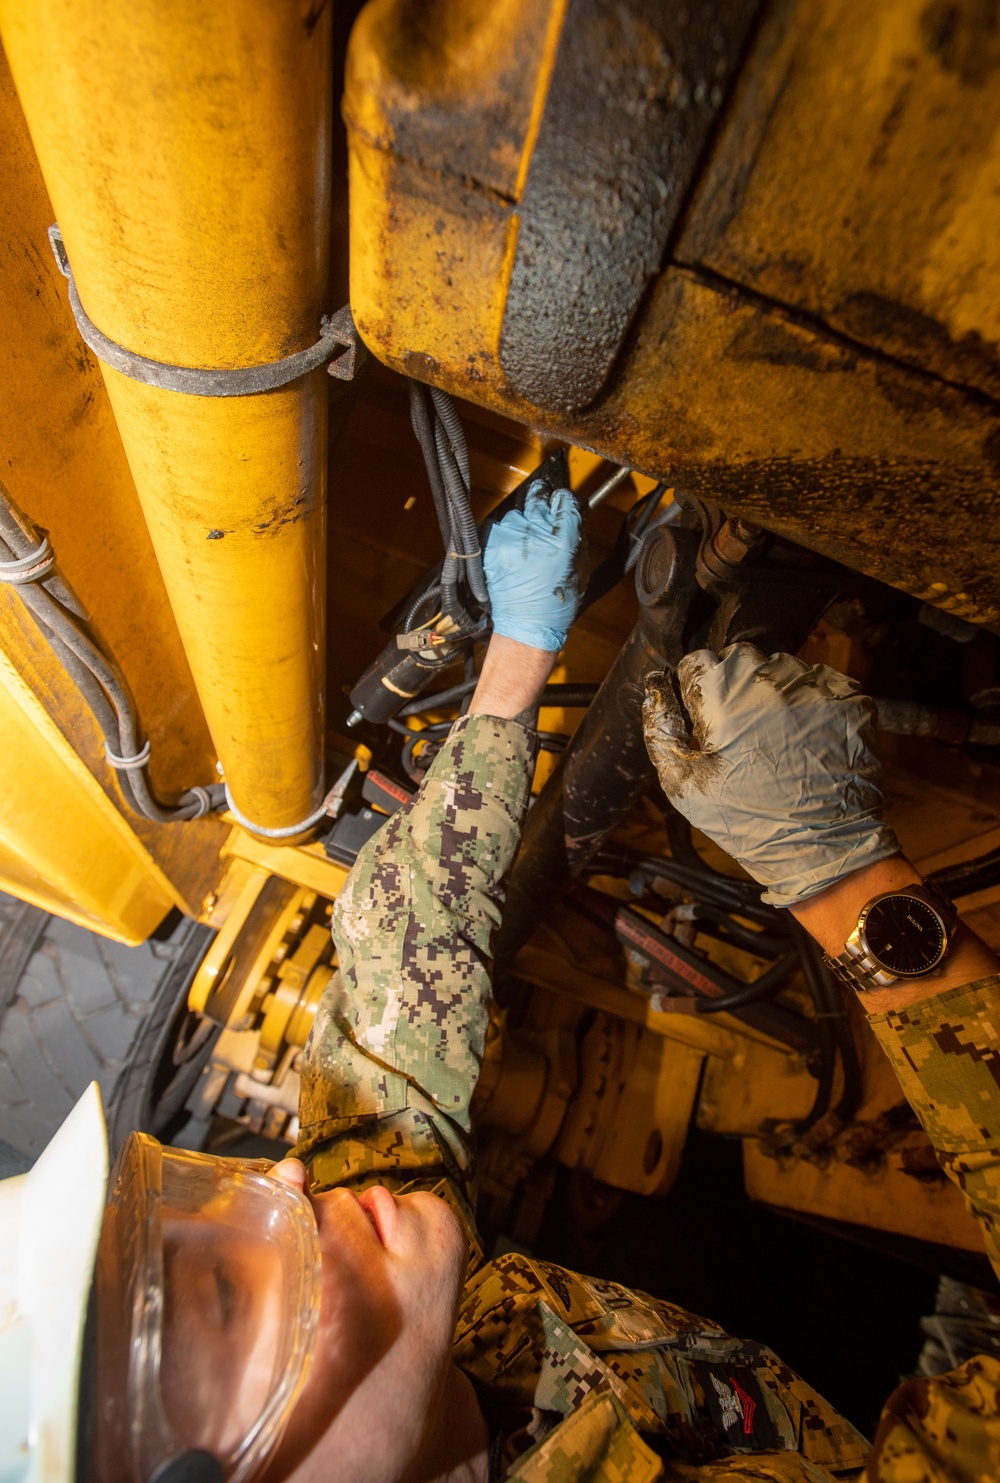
x,y
730,270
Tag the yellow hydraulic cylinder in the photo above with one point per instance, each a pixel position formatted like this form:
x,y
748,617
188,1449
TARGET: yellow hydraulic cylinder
x,y
185,147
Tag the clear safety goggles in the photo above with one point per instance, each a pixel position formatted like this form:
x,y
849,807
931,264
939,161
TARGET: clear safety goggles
x,y
208,1294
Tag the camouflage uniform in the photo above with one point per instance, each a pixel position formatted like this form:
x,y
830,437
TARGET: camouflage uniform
x,y
578,1378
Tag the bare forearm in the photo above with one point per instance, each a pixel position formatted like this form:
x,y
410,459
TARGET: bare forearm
x,y
832,915
512,679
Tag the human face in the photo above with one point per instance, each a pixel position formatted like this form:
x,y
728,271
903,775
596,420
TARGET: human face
x,y
392,1274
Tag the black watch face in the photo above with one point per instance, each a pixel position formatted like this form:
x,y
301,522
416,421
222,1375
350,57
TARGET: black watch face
x,y
905,935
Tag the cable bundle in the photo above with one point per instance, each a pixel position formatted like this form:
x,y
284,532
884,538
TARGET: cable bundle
x,y
439,432
28,563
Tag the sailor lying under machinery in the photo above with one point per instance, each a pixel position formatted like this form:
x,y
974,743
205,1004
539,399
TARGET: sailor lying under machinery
x,y
499,706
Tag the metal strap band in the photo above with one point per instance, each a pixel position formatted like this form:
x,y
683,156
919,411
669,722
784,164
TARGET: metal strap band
x,y
285,833
127,764
203,800
336,332
31,568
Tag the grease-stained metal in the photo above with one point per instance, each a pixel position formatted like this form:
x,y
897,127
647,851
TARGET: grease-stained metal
x,y
739,378
635,89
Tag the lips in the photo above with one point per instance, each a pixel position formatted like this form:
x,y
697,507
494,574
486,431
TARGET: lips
x,y
380,1207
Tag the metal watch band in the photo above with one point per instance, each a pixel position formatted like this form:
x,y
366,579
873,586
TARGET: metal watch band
x,y
860,971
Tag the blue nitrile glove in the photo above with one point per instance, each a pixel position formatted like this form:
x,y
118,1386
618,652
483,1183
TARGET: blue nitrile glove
x,y
774,761
532,568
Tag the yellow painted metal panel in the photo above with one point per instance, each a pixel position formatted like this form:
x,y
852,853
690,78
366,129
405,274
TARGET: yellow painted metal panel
x,y
232,489
194,204
720,392
64,465
63,845
884,1197
306,865
890,233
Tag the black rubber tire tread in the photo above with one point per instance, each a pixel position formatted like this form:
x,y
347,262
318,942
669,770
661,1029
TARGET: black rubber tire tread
x,y
22,933
76,1008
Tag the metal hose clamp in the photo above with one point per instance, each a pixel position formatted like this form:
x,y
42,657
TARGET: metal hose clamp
x,y
338,341
31,568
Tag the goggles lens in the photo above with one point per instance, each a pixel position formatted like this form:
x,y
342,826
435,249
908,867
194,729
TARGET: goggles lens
x,y
208,1291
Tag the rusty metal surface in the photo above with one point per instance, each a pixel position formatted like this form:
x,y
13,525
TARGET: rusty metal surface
x,y
717,389
858,175
453,87
634,92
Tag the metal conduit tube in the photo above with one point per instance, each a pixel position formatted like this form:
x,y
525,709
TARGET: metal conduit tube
x,y
186,151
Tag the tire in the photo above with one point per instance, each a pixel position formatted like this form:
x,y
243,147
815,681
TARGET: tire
x,y
76,1008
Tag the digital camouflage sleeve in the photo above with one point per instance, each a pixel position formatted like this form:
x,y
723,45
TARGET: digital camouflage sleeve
x,y
946,1052
578,1378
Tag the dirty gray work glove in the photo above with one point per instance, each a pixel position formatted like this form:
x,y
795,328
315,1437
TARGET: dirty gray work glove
x,y
533,568
774,761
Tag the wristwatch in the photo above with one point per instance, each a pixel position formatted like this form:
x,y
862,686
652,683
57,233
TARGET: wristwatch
x,y
900,935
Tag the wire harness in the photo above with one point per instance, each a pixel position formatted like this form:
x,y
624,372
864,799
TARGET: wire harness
x,y
438,430
28,564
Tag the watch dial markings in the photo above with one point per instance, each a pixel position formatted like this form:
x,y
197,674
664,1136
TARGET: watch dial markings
x,y
904,935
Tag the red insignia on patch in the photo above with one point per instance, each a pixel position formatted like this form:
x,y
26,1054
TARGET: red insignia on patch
x,y
747,1405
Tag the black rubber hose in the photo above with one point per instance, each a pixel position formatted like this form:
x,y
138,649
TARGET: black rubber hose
x,y
570,697
831,1016
445,409
824,1085
970,876
432,593
764,944
424,428
851,1093
440,699
679,839
465,532
761,988
742,897
420,421
552,741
